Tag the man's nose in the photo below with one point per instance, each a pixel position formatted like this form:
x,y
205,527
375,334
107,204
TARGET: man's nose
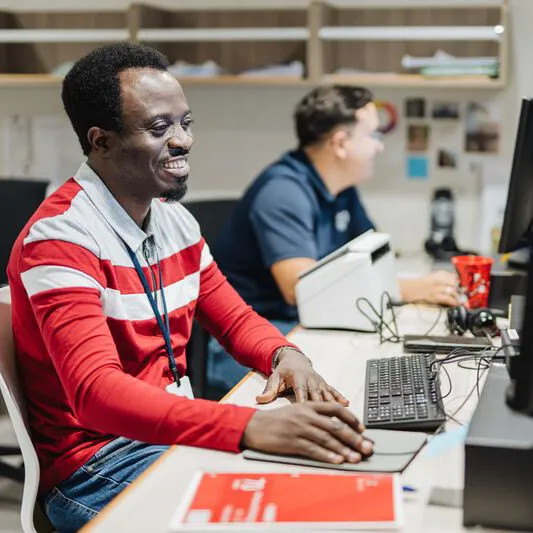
x,y
180,139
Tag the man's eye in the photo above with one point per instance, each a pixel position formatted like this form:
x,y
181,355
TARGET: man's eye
x,y
160,128
188,123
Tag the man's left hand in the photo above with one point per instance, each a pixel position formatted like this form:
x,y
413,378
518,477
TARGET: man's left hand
x,y
436,288
295,371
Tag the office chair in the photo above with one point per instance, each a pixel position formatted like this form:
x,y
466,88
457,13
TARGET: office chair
x,y
31,515
211,215
19,199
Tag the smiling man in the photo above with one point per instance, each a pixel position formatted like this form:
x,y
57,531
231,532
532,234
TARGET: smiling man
x,y
105,281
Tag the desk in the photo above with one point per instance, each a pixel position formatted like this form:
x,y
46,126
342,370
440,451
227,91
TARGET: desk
x,y
149,503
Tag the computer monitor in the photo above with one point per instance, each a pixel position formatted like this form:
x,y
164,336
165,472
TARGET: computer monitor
x,y
517,232
519,207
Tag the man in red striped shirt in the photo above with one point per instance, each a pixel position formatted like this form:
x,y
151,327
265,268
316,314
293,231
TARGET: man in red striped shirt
x,y
105,281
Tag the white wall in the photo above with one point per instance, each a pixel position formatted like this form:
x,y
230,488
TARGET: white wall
x,y
241,129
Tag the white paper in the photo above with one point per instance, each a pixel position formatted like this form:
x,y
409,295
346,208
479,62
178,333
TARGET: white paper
x,y
40,147
57,152
16,147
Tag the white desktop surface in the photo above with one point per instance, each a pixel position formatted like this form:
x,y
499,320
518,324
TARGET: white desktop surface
x,y
147,506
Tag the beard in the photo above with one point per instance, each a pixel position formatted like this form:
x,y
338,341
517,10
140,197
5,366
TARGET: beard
x,y
178,192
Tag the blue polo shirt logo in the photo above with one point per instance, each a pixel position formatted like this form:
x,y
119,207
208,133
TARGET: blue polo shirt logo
x,y
342,220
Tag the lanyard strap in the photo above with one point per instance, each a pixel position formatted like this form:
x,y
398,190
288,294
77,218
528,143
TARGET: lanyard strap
x,y
164,327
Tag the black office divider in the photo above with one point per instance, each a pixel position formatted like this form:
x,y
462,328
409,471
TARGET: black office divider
x,y
211,215
19,199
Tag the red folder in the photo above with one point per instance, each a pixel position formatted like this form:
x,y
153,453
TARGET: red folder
x,y
264,501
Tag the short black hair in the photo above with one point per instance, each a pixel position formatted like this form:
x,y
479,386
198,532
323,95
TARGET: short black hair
x,y
91,89
326,108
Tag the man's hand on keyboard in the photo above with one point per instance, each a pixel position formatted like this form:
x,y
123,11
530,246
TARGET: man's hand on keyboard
x,y
322,431
294,371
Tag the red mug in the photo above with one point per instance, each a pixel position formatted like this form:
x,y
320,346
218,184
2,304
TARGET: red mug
x,y
474,279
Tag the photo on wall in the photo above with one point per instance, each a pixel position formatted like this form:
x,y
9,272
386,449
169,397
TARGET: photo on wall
x,y
447,158
415,107
482,131
417,137
445,110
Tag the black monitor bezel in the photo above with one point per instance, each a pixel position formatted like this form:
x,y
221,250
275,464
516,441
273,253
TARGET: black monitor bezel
x,y
518,216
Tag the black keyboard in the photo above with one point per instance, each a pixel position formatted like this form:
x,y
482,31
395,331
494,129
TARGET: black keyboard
x,y
403,393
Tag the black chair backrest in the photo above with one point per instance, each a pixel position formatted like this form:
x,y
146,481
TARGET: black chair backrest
x,y
211,215
19,199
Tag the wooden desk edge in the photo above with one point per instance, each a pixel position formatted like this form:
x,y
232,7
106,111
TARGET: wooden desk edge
x,y
102,514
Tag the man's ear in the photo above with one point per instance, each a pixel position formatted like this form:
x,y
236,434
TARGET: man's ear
x,y
100,140
338,142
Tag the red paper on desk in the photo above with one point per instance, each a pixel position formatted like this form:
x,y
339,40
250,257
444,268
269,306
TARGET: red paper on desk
x,y
260,501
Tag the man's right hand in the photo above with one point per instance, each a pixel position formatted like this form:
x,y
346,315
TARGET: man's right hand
x,y
322,431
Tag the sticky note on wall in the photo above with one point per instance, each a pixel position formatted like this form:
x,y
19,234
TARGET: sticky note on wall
x,y
417,167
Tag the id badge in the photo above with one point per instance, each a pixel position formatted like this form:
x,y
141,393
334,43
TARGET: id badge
x,y
184,389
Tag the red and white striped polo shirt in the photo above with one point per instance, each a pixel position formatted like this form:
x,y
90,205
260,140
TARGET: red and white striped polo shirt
x,y
91,357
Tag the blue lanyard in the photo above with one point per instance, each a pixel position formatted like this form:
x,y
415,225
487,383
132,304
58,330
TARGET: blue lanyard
x,y
164,327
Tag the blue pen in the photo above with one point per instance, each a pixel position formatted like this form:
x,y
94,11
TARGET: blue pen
x,y
408,488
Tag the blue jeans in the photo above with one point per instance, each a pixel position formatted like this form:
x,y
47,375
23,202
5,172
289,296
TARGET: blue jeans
x,y
79,498
222,370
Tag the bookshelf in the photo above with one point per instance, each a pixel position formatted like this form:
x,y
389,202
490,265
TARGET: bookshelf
x,y
368,37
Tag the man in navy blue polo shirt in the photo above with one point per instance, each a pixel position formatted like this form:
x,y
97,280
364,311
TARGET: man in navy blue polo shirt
x,y
301,208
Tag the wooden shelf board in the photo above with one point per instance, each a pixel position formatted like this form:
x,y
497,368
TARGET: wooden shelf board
x,y
413,4
96,6
204,35
56,36
371,80
29,80
63,6
242,80
225,5
415,80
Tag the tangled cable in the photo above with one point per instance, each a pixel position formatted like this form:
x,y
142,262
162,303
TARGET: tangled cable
x,y
382,324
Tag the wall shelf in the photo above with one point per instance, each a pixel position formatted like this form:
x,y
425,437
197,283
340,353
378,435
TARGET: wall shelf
x,y
230,5
326,36
369,80
415,81
409,33
29,80
222,34
413,4
63,36
43,80
242,80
